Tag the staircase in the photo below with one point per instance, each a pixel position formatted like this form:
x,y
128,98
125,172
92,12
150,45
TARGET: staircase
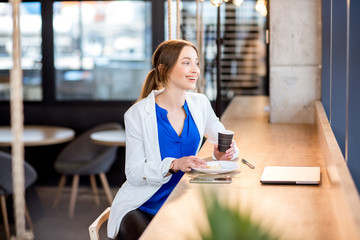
x,y
243,50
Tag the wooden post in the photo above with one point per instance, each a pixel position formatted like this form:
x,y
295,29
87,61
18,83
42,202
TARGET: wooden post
x,y
17,127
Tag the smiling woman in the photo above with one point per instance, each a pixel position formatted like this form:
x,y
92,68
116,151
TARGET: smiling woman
x,y
164,132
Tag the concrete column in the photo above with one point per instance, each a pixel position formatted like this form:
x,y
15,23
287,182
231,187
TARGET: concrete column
x,y
295,60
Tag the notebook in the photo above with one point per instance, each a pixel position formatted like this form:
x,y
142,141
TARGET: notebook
x,y
290,175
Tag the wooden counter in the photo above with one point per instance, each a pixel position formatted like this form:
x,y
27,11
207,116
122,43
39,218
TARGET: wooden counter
x,y
292,212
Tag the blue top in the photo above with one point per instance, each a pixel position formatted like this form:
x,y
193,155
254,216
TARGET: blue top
x,y
172,145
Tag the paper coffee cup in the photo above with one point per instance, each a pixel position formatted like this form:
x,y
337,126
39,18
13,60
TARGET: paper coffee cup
x,y
224,140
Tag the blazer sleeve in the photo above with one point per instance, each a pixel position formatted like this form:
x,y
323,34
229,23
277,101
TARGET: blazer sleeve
x,y
142,168
212,122
213,126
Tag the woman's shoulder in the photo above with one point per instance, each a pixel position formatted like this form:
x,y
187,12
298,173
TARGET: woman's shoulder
x,y
144,106
136,108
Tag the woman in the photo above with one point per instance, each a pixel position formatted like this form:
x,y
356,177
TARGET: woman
x,y
164,131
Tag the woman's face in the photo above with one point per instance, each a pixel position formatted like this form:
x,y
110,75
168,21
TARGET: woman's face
x,y
185,71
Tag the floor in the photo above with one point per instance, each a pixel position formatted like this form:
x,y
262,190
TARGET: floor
x,y
54,223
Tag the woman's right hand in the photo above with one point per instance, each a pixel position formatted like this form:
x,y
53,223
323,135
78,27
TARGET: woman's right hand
x,y
186,163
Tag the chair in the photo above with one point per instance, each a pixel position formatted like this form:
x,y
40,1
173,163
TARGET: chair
x,y
95,226
83,157
6,186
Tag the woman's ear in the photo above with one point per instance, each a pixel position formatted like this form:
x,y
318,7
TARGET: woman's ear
x,y
161,68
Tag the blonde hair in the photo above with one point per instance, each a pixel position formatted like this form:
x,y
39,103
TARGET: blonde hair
x,y
163,61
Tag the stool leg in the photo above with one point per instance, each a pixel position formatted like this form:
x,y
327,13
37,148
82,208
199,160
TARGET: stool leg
x,y
59,190
94,189
5,217
28,218
106,187
74,190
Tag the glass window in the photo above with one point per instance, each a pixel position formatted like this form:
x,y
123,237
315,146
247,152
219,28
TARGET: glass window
x,y
188,31
102,50
243,49
30,27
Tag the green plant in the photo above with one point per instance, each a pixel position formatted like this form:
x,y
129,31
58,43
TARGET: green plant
x,y
230,224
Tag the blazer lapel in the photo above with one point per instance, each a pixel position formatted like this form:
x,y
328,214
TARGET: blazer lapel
x,y
197,113
151,123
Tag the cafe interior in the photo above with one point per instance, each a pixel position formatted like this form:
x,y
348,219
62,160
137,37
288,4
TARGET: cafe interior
x,y
282,75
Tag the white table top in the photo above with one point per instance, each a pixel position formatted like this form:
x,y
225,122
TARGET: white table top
x,y
109,137
38,135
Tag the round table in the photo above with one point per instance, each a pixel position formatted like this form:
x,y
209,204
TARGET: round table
x,y
109,137
36,135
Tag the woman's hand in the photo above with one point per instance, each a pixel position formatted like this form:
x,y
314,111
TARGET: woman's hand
x,y
186,163
227,155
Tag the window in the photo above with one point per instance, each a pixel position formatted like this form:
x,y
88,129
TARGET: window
x,y
188,32
30,27
243,48
102,50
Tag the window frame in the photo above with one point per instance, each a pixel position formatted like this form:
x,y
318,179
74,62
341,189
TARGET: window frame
x,y
47,48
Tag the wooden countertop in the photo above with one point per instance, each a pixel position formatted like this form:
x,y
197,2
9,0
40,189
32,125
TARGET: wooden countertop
x,y
292,212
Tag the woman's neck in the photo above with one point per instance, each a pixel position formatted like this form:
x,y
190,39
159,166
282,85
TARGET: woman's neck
x,y
171,99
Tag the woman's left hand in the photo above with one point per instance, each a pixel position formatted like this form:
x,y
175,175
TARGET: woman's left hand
x,y
227,155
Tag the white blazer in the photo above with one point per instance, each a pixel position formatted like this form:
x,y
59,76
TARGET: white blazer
x,y
144,169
